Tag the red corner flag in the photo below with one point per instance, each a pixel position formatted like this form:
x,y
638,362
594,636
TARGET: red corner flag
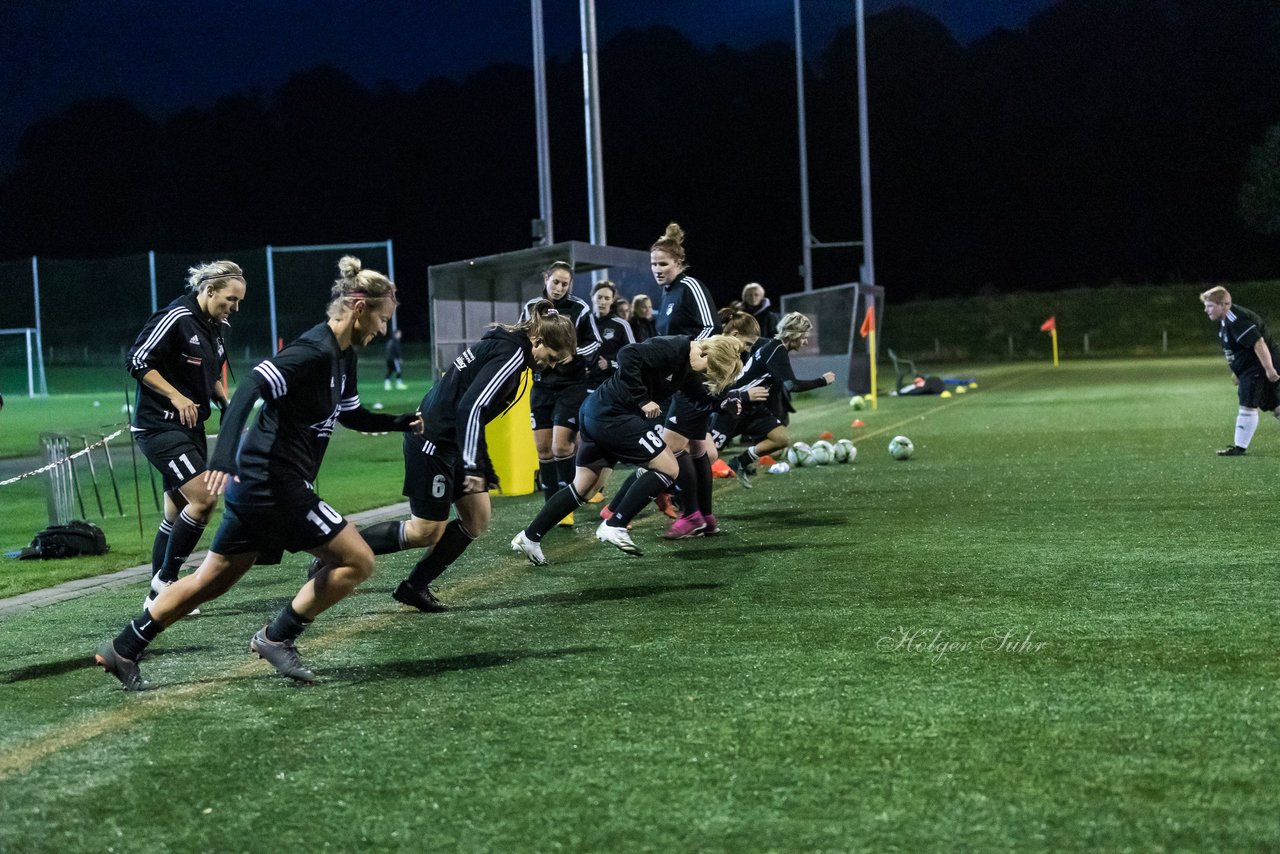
x,y
868,322
1049,325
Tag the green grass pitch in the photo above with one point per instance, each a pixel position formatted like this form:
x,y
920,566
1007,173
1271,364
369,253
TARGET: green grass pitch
x,y
1054,628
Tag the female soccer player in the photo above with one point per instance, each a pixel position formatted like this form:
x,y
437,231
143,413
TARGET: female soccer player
x,y
618,426
177,360
609,332
445,465
268,475
765,423
643,325
558,392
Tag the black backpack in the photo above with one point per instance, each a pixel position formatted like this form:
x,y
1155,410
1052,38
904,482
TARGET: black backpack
x,y
70,540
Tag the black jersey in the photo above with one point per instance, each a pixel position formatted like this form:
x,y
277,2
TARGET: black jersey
x,y
687,309
185,347
306,388
769,364
652,370
643,328
1239,330
576,371
611,334
482,381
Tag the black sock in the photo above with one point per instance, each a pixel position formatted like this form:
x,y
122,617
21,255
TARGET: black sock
x,y
159,546
749,457
186,533
287,625
453,542
384,537
687,481
648,485
550,477
702,465
565,470
561,504
621,494
137,636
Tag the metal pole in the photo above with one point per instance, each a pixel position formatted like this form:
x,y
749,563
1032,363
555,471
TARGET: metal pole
x,y
151,264
591,97
540,113
271,300
864,149
806,235
31,378
35,293
391,274
93,475
111,467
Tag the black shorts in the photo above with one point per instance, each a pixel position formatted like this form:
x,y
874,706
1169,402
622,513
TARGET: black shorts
x,y
433,478
556,407
179,455
689,418
1257,392
753,425
606,440
298,524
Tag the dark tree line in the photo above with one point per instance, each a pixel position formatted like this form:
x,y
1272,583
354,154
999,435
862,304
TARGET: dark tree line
x,y
1109,141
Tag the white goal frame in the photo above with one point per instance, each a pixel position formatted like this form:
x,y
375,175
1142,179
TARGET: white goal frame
x,y
36,384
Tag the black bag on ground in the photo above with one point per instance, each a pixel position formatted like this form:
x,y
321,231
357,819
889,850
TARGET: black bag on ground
x,y
70,540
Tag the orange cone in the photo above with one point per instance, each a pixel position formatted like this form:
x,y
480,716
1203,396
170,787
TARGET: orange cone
x,y
858,422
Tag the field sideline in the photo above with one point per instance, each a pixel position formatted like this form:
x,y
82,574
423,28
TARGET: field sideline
x,y
1054,628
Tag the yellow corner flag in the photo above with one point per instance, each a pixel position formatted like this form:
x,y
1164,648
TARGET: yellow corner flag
x,y
1051,326
868,331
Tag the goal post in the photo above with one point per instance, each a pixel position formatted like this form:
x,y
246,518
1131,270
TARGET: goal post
x,y
24,340
834,345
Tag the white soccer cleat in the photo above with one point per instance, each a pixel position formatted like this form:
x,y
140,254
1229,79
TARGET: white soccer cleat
x,y
532,550
619,537
157,587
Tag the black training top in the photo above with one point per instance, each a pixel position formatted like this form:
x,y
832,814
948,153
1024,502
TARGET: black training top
x,y
652,370
307,387
1239,330
185,347
687,309
611,334
769,364
480,384
576,371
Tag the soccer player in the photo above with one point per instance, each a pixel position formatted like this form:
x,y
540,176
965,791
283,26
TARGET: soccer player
x,y
756,304
618,426
177,360
687,309
445,465
765,422
395,363
1250,354
642,323
268,475
558,392
609,332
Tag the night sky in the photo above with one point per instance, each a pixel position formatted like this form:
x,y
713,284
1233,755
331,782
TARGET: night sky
x,y
164,55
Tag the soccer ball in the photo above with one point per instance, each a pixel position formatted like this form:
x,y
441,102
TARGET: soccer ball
x,y
901,448
800,454
779,468
857,401
824,452
846,451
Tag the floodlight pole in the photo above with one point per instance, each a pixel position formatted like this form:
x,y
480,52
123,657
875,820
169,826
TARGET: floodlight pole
x,y
540,113
806,236
591,97
271,299
864,148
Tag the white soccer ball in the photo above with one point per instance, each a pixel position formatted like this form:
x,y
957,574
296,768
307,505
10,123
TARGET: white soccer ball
x,y
901,448
846,451
779,468
126,409
800,454
823,452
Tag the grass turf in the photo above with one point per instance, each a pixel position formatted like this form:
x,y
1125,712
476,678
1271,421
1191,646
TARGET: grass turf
x,y
1050,629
